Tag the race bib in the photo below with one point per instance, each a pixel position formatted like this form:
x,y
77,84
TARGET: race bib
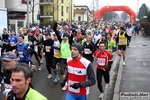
x,y
121,41
101,61
12,43
21,54
35,48
107,31
72,89
26,40
8,88
56,51
47,48
30,43
87,51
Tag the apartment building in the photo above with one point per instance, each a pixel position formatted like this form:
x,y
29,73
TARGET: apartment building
x,y
82,13
56,10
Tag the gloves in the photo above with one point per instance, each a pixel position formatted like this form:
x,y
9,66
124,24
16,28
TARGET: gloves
x,y
62,84
76,85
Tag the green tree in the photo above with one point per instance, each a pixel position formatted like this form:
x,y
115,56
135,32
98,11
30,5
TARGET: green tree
x,y
124,16
110,15
142,11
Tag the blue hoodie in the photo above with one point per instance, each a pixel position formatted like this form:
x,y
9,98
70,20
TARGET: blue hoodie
x,y
23,53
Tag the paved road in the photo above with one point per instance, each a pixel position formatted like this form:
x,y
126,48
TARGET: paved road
x,y
53,90
135,76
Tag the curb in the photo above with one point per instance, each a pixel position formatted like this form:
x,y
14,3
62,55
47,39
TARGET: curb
x,y
109,93
116,95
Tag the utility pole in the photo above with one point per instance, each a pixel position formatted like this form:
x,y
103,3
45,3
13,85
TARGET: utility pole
x,y
33,13
28,13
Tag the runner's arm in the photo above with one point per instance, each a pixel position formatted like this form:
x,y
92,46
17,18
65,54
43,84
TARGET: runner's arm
x,y
90,77
57,32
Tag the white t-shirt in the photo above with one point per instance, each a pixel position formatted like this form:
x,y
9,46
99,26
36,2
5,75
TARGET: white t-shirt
x,y
97,37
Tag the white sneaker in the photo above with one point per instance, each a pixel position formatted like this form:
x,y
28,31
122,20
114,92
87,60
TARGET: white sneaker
x,y
124,63
40,68
106,86
119,57
65,87
41,60
49,76
101,96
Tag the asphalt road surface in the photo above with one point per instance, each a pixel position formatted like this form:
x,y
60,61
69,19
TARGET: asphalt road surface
x,y
51,89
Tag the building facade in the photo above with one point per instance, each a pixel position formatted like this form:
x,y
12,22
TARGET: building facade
x,y
2,4
56,10
82,13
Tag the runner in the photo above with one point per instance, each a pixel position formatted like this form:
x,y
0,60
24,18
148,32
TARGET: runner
x,y
104,61
122,42
80,75
89,49
20,79
111,43
66,42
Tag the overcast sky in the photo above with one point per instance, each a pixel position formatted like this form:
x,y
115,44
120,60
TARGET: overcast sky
x,y
130,3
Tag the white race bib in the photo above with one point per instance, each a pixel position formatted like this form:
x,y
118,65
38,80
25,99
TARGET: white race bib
x,y
21,54
8,88
101,61
87,51
30,43
72,89
35,48
47,48
56,51
12,43
121,41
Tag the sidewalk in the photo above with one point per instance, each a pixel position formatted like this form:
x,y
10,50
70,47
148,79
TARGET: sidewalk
x,y
135,76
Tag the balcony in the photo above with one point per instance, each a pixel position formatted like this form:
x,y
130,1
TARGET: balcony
x,y
46,2
46,15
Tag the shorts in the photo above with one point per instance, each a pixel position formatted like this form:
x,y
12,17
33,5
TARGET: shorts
x,y
75,97
63,65
122,47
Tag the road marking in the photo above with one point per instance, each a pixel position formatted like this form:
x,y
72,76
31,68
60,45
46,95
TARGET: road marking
x,y
144,64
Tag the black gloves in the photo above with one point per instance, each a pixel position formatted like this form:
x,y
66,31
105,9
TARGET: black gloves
x,y
62,84
76,85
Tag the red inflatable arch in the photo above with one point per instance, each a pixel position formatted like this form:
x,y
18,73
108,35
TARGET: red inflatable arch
x,y
116,8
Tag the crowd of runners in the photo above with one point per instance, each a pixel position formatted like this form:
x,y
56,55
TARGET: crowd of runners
x,y
69,50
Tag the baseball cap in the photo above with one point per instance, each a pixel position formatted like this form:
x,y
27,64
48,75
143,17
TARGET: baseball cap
x,y
9,56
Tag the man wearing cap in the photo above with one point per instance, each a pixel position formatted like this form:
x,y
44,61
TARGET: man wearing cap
x,y
122,42
80,75
10,60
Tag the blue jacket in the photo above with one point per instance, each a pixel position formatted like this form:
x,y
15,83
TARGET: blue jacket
x,y
23,52
12,40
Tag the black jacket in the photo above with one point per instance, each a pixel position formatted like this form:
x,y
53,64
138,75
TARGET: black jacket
x,y
48,47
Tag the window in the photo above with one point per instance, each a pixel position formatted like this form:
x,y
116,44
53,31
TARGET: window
x,y
67,9
61,19
62,11
79,18
23,1
62,1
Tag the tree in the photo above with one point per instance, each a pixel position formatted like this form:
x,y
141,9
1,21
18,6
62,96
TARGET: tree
x,y
109,15
142,11
124,16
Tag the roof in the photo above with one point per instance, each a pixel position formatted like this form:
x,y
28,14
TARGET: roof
x,y
80,10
